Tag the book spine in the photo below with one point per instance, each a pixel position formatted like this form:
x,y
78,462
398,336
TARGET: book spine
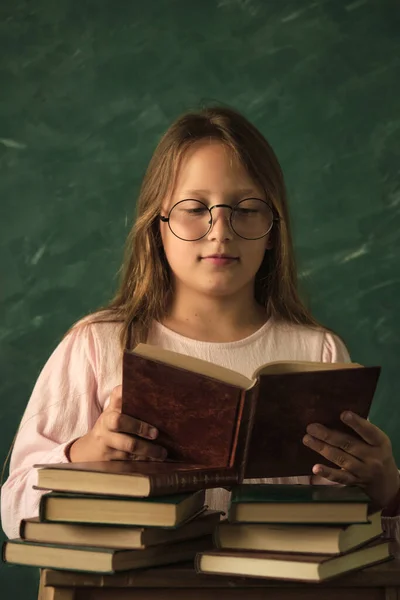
x,y
3,552
240,430
248,418
187,481
42,508
197,560
22,529
216,538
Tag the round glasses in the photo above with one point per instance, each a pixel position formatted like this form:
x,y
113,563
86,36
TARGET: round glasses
x,y
191,220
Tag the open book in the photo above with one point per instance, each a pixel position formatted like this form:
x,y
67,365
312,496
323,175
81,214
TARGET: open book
x,y
218,426
216,418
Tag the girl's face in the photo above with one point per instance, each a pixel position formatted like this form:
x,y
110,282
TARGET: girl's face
x,y
221,263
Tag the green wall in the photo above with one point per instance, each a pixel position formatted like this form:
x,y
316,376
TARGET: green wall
x,y
86,89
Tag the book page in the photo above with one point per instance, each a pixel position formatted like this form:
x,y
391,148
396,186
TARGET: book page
x,y
190,363
296,366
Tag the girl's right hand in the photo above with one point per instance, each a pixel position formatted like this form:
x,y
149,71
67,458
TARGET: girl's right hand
x,y
116,436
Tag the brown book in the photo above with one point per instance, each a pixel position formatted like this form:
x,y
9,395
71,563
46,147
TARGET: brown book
x,y
131,478
214,417
100,560
114,536
311,539
292,566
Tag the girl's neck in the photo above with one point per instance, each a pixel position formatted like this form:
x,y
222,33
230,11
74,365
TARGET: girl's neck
x,y
215,319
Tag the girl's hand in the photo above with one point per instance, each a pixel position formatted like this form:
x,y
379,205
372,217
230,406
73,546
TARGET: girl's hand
x,y
367,462
116,436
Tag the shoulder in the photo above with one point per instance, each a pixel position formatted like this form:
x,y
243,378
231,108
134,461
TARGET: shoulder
x,y
99,324
96,334
307,342
334,349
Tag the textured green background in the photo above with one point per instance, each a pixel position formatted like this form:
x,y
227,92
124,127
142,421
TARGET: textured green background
x,y
86,89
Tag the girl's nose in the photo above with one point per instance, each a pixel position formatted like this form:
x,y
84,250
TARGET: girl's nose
x,y
221,228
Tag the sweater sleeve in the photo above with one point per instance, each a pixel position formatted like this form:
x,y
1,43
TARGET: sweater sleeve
x,y
63,406
334,350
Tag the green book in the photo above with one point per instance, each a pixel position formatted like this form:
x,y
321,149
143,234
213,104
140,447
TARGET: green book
x,y
293,566
285,503
116,536
100,560
161,511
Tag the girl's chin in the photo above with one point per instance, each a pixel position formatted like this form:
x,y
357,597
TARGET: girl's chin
x,y
218,289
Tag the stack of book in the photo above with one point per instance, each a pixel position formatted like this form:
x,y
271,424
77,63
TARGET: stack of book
x,y
296,532
107,521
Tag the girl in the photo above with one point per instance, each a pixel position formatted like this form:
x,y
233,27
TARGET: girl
x,y
209,272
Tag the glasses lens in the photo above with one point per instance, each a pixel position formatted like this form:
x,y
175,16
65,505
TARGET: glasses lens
x,y
252,218
190,220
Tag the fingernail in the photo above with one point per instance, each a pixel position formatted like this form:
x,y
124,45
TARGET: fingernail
x,y
347,416
307,439
312,428
153,433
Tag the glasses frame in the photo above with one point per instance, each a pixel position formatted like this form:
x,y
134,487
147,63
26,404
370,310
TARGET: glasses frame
x,y
275,218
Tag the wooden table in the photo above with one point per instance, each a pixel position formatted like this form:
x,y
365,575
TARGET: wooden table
x,y
180,582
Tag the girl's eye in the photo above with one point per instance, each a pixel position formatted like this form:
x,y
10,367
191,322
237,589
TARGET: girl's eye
x,y
195,211
246,211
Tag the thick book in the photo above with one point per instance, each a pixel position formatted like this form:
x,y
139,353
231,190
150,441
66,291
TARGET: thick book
x,y
131,478
292,566
164,511
295,503
213,417
116,536
100,560
311,539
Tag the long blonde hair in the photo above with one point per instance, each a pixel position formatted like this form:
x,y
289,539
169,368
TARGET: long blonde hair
x,y
145,289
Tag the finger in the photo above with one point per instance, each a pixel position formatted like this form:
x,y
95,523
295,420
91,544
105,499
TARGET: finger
x,y
369,432
116,421
348,443
336,456
115,400
133,445
112,454
337,475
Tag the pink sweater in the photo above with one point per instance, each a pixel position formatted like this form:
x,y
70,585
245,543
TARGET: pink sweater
x,y
78,378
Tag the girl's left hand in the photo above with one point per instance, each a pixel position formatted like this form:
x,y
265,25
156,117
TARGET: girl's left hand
x,y
367,462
